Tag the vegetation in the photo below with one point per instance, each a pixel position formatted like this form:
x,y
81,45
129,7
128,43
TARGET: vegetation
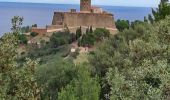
x,y
61,38
89,38
82,88
17,82
33,34
16,24
133,64
55,77
162,11
78,33
122,24
22,39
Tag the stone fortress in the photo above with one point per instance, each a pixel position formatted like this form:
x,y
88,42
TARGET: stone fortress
x,y
86,17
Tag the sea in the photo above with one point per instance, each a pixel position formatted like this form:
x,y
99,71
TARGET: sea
x,y
42,14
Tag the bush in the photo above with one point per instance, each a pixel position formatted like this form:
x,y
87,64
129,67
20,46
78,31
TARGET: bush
x,y
33,34
122,24
89,38
134,64
54,76
23,39
61,38
100,33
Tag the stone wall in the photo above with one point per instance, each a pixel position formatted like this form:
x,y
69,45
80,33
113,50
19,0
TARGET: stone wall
x,y
97,20
40,31
50,27
85,5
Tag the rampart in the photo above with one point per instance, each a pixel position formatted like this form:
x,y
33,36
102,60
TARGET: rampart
x,y
39,30
97,20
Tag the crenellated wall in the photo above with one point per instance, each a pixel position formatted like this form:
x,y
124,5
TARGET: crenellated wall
x,y
97,20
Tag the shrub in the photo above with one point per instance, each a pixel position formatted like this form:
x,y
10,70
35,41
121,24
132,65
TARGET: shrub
x,y
78,33
60,38
33,34
23,39
122,24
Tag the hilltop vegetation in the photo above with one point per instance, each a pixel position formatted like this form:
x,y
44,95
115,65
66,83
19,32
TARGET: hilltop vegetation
x,y
131,65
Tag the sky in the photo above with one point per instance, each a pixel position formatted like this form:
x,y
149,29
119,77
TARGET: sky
x,y
137,3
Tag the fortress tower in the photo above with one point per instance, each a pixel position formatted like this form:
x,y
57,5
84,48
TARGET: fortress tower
x,y
88,16
85,5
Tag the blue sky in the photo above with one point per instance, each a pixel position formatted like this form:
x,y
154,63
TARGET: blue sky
x,y
138,3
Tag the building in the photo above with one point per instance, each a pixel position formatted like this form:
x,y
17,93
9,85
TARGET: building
x,y
85,5
87,16
95,9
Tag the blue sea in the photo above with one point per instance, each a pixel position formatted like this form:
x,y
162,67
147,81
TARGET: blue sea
x,y
42,14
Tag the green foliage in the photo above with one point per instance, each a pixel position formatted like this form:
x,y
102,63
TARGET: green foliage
x,y
33,34
150,18
101,33
122,24
78,33
23,84
134,64
23,39
26,29
162,11
84,87
136,22
16,24
16,82
89,39
34,25
73,37
54,75
61,38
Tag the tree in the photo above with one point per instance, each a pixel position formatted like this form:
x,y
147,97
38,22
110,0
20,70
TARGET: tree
x,y
122,24
89,38
135,23
162,11
34,25
16,24
60,38
78,33
16,82
145,19
73,37
83,87
56,76
16,79
136,66
91,29
101,33
23,39
150,18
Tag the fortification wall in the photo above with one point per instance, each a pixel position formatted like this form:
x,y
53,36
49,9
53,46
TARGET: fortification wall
x,y
39,30
50,27
97,20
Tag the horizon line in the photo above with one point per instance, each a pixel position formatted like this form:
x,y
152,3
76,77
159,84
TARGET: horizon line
x,y
76,4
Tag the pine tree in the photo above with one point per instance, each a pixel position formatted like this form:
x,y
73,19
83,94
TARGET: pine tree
x,y
162,11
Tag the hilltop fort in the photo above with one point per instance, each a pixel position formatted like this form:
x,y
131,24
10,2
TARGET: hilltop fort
x,y
86,17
